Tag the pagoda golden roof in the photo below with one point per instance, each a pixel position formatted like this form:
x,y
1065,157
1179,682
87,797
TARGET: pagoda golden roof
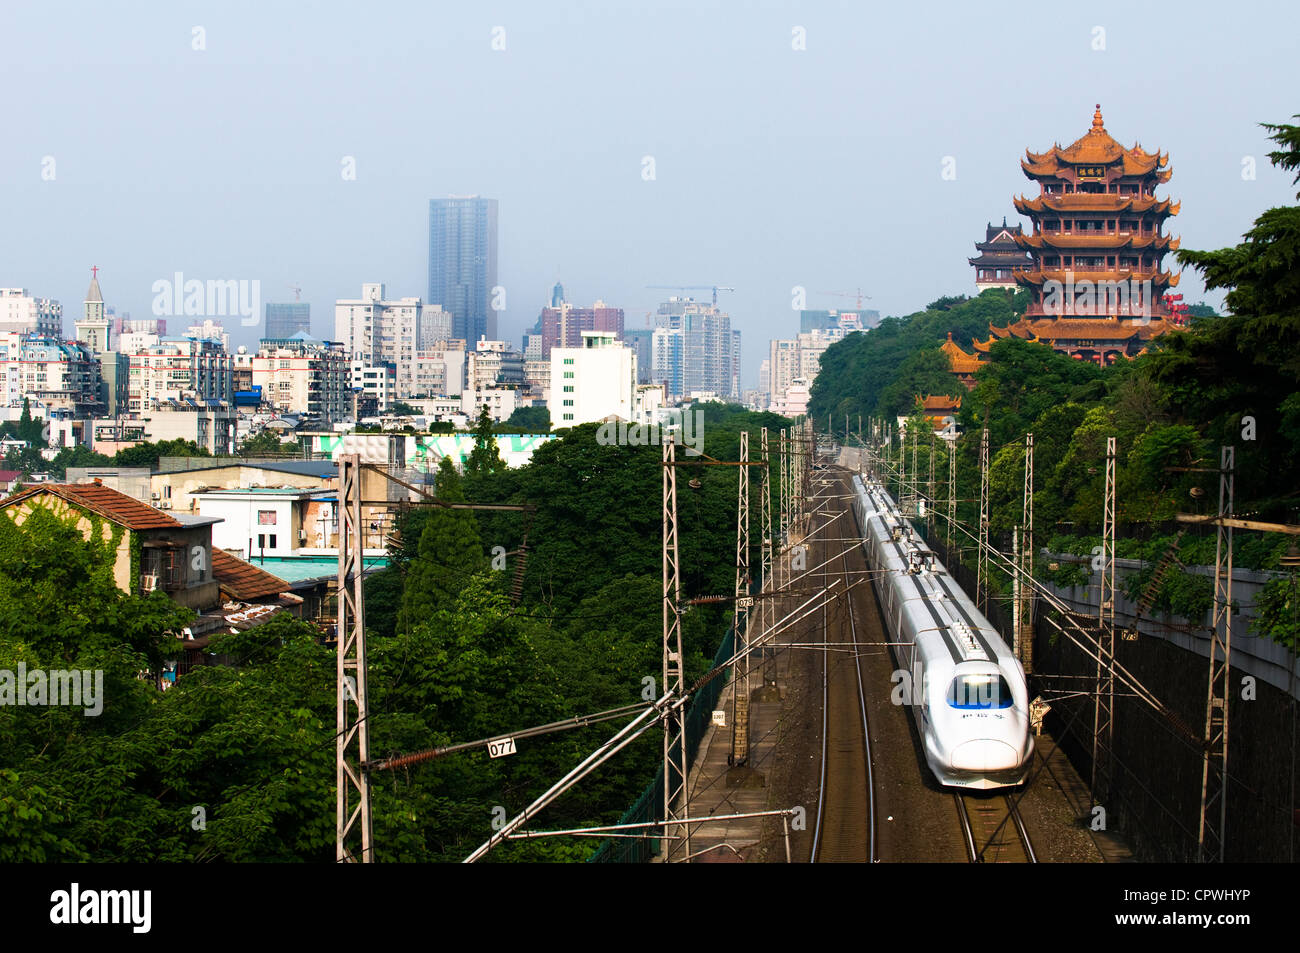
x,y
1095,147
1096,202
1046,330
1098,329
940,402
962,363
1107,242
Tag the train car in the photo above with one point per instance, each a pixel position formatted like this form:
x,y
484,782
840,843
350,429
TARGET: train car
x,y
966,689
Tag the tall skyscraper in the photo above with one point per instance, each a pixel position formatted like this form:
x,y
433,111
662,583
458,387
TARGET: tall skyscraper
x,y
284,320
463,263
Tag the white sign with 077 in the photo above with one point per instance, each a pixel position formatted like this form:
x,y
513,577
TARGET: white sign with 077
x,y
501,747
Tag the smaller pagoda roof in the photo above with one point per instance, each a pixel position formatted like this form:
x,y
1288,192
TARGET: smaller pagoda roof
x,y
932,402
962,363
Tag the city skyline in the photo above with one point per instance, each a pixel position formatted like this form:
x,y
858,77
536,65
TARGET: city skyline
x,y
771,166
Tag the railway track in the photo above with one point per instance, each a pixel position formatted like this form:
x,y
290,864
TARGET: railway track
x,y
992,830
845,830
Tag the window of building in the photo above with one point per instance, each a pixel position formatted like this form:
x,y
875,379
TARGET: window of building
x,y
568,416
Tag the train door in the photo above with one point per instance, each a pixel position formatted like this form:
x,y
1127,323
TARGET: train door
x,y
919,699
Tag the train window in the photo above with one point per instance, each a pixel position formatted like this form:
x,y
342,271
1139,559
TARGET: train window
x,y
979,692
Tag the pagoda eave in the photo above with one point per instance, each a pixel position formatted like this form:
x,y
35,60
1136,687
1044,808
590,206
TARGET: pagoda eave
x,y
1036,278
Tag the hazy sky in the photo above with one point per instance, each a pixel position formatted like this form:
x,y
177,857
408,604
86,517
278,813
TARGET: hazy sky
x,y
773,166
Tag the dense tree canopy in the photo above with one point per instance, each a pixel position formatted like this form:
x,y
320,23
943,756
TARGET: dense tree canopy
x,y
881,371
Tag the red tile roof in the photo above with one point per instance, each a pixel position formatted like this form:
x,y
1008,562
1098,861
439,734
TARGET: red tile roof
x,y
242,580
105,501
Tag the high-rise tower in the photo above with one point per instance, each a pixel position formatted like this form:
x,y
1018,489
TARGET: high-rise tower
x,y
463,263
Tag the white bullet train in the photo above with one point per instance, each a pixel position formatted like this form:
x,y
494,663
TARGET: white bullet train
x,y
966,690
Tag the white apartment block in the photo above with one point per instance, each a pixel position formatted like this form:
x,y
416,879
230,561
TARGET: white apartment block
x,y
501,402
797,360
493,363
135,342
56,374
792,401
537,379
177,369
136,334
210,330
435,372
375,331
377,382
210,424
305,376
593,382
22,313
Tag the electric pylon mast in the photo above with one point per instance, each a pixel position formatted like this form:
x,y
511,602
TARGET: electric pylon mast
x,y
353,826
1214,770
676,766
740,687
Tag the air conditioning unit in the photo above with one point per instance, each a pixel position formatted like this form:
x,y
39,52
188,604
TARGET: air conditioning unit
x,y
164,504
149,583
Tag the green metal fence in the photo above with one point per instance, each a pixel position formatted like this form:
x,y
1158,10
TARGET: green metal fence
x,y
649,806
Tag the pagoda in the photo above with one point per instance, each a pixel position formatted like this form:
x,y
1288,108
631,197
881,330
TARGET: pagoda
x,y
1000,256
963,365
1097,288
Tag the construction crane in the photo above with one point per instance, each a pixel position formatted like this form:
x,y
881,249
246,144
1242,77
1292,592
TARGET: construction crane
x,y
847,294
714,288
297,292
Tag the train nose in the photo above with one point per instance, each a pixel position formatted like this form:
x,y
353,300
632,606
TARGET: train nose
x,y
984,755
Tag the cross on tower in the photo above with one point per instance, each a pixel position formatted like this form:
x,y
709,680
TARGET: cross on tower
x,y
94,271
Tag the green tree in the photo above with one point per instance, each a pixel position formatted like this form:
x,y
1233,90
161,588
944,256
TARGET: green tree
x,y
449,555
148,454
267,443
485,457
26,428
1247,363
531,420
923,372
76,456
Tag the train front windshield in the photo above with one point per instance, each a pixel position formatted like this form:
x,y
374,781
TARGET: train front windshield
x,y
979,692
